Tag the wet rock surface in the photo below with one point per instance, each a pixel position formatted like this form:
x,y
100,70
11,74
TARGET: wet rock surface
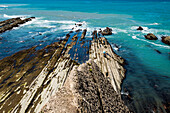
x,y
166,39
139,28
21,73
11,23
107,31
151,36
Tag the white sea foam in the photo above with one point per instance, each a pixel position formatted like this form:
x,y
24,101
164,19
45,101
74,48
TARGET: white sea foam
x,y
135,37
15,16
115,48
65,25
135,27
50,31
156,31
60,22
124,93
71,25
4,6
119,30
154,24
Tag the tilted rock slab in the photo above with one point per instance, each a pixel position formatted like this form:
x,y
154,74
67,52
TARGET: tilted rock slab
x,y
86,90
111,65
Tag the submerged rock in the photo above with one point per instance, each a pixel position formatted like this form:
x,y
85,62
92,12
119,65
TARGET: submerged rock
x,y
166,39
157,51
107,31
139,28
151,36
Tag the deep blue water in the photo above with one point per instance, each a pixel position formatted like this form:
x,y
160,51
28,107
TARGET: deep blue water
x,y
148,72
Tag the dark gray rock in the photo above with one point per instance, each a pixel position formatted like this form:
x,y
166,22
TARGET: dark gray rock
x,y
139,28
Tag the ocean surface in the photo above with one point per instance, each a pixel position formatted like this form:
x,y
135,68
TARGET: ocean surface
x,y
148,72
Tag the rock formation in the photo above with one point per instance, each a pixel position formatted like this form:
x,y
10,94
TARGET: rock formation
x,y
111,64
166,39
151,36
139,28
59,74
11,23
107,31
86,90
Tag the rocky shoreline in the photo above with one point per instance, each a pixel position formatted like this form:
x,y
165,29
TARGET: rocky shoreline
x,y
76,74
11,23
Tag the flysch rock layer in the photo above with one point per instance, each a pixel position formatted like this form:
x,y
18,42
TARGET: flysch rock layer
x,y
27,74
110,63
11,23
92,87
86,90
31,77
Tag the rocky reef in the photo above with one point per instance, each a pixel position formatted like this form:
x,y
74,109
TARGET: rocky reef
x,y
11,23
77,74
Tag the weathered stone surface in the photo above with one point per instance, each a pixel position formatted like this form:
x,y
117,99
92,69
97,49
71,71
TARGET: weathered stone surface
x,y
166,39
151,36
86,90
25,74
109,63
107,31
139,28
5,22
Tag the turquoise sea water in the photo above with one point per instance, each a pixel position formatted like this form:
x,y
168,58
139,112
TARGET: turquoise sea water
x,y
148,72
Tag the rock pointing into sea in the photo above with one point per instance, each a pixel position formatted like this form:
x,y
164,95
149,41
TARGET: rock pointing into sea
x,y
151,36
166,39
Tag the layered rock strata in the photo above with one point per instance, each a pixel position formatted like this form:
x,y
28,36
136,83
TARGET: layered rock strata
x,y
11,23
37,76
86,90
109,63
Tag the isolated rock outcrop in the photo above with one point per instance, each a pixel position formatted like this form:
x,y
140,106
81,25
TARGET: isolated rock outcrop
x,y
139,28
166,39
151,36
107,31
